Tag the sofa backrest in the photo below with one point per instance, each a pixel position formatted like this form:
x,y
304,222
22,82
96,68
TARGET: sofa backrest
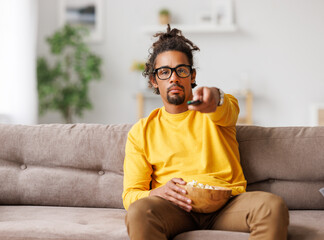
x,y
287,161
82,164
62,165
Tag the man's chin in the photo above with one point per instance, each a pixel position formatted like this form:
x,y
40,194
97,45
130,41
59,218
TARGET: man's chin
x,y
176,99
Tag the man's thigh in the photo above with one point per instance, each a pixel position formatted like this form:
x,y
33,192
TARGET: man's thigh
x,y
154,216
245,211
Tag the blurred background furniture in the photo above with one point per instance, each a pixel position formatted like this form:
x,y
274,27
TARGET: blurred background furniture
x,y
245,98
142,98
317,114
4,118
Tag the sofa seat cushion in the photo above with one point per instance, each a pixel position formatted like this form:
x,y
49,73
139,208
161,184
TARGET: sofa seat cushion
x,y
304,224
38,222
212,234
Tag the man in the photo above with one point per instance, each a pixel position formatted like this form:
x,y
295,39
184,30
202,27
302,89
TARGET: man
x,y
179,143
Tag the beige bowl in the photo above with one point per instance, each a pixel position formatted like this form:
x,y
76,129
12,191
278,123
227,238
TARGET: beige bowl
x,y
207,200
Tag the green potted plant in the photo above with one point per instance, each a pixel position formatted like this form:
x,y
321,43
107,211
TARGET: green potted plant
x,y
138,66
164,15
64,85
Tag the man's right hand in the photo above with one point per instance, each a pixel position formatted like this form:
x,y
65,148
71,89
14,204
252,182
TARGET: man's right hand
x,y
173,193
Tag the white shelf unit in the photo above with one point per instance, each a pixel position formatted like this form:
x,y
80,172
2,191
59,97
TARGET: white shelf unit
x,y
196,28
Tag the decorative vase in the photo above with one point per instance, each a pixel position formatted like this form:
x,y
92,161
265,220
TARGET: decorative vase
x,y
164,19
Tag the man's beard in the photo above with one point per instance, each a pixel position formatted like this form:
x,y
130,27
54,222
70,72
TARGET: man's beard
x,y
176,99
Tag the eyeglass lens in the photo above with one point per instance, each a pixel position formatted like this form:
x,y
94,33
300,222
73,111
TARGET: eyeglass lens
x,y
166,72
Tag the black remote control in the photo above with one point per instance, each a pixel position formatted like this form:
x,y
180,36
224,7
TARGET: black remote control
x,y
192,102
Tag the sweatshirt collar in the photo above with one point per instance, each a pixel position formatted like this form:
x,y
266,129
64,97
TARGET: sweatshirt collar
x,y
176,116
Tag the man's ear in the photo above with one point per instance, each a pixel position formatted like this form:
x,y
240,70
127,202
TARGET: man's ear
x,y
193,76
153,81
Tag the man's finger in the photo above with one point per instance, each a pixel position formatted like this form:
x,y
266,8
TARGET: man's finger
x,y
202,107
177,198
178,180
207,95
198,94
183,205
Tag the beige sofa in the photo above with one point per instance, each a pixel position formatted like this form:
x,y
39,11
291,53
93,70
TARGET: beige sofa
x,y
65,181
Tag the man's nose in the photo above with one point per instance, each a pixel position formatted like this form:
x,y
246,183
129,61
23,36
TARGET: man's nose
x,y
174,77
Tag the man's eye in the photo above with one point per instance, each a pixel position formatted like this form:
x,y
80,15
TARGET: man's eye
x,y
183,71
164,72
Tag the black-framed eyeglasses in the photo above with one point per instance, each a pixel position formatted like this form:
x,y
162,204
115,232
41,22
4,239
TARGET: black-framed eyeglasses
x,y
165,73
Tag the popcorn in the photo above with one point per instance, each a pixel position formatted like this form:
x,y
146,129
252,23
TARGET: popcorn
x,y
194,183
200,185
208,186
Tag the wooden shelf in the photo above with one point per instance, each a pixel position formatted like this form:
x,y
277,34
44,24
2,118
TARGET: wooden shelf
x,y
148,93
140,99
195,28
247,96
317,114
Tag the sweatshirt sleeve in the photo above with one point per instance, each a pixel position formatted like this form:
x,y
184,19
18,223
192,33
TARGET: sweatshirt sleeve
x,y
137,170
227,114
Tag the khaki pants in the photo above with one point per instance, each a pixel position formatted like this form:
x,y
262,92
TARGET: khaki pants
x,y
263,214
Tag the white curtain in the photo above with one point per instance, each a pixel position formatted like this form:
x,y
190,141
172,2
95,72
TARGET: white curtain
x,y
18,86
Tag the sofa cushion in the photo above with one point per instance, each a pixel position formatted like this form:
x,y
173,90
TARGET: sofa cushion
x,y
63,223
212,234
305,224
287,161
82,164
62,165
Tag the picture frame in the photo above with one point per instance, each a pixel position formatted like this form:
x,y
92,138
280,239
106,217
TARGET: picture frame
x,y
87,13
204,18
222,12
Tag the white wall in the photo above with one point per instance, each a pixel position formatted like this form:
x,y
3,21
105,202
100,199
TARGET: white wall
x,y
279,44
18,94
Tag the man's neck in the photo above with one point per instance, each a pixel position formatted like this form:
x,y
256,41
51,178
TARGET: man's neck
x,y
174,109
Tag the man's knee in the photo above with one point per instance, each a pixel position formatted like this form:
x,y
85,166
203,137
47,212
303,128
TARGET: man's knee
x,y
272,201
269,217
271,206
140,208
146,218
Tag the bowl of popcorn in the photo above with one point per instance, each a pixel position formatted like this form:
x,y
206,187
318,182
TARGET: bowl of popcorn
x,y
206,198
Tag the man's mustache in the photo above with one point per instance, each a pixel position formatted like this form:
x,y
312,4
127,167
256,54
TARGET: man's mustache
x,y
175,85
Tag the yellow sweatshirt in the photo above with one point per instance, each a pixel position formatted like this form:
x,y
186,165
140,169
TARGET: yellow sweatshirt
x,y
189,145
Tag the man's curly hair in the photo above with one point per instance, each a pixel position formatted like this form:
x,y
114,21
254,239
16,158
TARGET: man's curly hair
x,y
172,40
